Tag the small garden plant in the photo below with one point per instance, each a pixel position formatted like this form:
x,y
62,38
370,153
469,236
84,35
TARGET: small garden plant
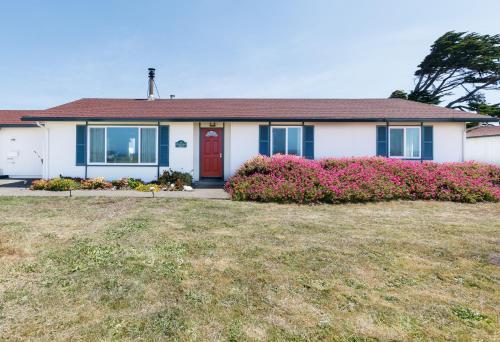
x,y
175,178
296,180
98,183
56,184
169,181
148,188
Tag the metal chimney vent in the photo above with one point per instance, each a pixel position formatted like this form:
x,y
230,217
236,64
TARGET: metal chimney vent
x,y
151,88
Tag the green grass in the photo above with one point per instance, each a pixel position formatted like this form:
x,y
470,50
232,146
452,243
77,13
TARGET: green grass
x,y
152,269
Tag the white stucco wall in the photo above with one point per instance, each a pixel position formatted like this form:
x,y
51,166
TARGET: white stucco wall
x,y
181,159
359,140
241,142
244,141
62,154
21,149
61,150
196,151
449,141
483,149
344,140
227,150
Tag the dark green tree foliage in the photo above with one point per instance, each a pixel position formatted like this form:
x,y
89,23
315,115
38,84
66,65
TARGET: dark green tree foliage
x,y
425,97
399,94
478,104
483,108
467,63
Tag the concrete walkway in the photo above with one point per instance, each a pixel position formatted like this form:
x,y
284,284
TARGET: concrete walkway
x,y
15,183
196,193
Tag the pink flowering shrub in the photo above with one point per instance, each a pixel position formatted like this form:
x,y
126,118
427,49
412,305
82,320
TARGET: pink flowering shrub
x,y
336,180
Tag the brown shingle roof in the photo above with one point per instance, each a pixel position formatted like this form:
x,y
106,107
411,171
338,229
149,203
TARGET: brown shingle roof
x,y
10,118
253,110
483,131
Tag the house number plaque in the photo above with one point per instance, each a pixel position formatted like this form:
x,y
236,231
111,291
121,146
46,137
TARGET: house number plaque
x,y
181,144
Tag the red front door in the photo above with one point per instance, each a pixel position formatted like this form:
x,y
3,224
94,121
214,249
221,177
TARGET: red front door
x,y
211,152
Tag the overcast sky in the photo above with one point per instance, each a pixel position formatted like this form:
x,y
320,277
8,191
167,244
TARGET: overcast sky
x,y
53,52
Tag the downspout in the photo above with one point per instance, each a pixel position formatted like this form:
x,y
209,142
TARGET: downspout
x,y
45,157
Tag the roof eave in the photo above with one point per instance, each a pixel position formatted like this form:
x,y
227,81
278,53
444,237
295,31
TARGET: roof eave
x,y
484,136
18,125
255,119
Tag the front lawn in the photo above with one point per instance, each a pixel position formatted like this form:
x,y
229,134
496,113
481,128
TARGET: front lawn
x,y
140,268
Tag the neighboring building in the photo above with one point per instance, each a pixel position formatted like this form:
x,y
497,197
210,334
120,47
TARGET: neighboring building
x,y
211,138
21,145
483,144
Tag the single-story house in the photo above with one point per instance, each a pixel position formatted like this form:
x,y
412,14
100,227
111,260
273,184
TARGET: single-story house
x,y
483,144
211,138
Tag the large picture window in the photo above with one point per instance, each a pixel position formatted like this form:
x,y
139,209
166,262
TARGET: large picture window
x,y
404,142
286,140
122,145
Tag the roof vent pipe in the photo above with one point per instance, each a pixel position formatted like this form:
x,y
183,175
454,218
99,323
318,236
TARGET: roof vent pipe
x,y
151,88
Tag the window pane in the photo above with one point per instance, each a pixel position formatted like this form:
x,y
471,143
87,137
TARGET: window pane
x,y
96,145
396,140
148,145
279,143
122,145
294,141
412,148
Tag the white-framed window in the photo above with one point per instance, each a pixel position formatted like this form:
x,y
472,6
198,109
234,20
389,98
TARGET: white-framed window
x,y
404,142
123,145
286,140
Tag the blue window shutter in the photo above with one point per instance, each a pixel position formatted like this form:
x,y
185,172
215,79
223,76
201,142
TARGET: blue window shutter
x,y
382,141
163,146
264,140
81,145
308,142
427,143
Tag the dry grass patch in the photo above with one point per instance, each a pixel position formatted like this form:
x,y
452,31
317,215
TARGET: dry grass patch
x,y
122,268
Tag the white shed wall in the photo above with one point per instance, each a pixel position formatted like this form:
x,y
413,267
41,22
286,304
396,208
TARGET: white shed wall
x,y
483,149
21,150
